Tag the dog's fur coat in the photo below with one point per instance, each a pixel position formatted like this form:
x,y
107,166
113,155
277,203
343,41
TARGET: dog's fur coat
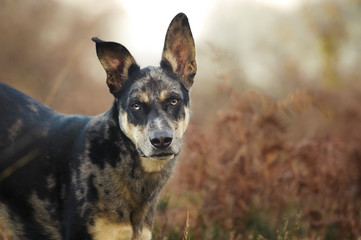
x,y
78,177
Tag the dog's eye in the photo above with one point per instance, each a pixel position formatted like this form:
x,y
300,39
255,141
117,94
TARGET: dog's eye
x,y
136,106
174,101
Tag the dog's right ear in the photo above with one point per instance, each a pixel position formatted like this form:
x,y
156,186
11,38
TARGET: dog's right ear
x,y
117,62
179,51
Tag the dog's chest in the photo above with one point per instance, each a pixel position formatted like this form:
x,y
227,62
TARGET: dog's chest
x,y
126,214
105,229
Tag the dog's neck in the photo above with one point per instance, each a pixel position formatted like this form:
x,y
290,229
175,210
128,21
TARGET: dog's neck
x,y
114,167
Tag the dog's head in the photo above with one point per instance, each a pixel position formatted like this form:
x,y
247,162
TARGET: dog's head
x,y
153,102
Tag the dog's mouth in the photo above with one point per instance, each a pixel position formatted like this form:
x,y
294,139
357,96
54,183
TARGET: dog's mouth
x,y
163,156
159,156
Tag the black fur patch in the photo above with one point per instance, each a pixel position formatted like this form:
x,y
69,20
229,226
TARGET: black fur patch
x,y
60,175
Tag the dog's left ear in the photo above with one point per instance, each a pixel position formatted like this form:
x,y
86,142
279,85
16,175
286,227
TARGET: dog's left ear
x,y
117,62
179,51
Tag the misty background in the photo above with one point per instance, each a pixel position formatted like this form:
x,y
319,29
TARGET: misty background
x,y
46,49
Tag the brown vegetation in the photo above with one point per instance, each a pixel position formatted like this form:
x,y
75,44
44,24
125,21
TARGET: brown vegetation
x,y
265,160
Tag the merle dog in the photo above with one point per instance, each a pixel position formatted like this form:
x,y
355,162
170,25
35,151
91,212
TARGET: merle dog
x,y
80,177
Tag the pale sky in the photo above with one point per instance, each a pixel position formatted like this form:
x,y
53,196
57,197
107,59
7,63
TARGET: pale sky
x,y
147,25
141,25
149,20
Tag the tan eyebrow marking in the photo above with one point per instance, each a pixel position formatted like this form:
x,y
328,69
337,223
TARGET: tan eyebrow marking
x,y
142,97
164,94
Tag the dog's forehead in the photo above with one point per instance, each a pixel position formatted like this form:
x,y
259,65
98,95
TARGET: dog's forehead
x,y
155,83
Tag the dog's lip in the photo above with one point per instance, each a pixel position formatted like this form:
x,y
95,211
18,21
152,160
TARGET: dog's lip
x,y
160,156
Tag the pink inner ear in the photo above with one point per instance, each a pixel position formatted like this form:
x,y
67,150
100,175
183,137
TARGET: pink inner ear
x,y
181,54
113,63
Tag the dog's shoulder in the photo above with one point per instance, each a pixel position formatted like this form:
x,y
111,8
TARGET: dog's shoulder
x,y
25,121
14,103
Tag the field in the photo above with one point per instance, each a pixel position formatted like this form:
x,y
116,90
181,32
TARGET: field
x,y
276,158
270,169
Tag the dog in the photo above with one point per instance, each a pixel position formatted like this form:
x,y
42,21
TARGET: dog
x,y
79,177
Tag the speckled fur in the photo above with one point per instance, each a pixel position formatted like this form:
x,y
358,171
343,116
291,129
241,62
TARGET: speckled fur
x,y
77,177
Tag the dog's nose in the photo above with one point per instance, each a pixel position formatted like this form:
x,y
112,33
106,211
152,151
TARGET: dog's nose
x,y
161,138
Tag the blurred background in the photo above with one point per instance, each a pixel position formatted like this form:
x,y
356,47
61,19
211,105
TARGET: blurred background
x,y
273,150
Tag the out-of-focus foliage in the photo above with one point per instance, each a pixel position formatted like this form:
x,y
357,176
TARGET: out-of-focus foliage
x,y
281,162
264,161
315,45
46,51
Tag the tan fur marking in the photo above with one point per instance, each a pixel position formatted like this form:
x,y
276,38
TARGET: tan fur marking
x,y
42,216
136,134
126,127
146,234
104,229
171,59
154,165
183,124
10,229
164,94
143,97
128,61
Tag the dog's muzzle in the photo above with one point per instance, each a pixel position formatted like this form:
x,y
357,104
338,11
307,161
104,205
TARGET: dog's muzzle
x,y
161,139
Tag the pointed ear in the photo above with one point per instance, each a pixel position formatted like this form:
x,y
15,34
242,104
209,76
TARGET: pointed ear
x,y
179,50
117,62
